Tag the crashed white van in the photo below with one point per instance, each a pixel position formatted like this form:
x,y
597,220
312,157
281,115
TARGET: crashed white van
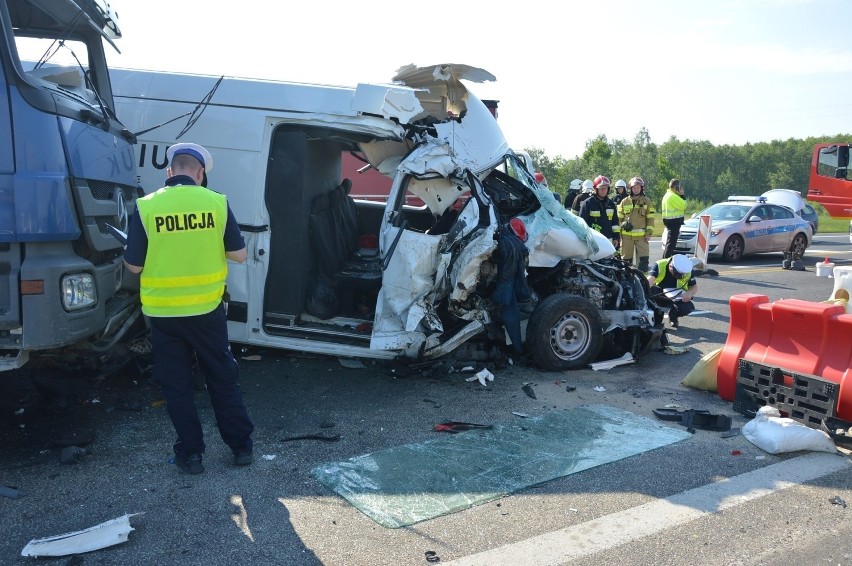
x,y
334,275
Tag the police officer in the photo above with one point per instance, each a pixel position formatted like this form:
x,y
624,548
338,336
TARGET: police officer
x,y
178,240
673,210
599,211
637,217
673,285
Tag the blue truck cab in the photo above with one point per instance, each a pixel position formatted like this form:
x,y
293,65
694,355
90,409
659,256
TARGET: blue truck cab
x,y
67,172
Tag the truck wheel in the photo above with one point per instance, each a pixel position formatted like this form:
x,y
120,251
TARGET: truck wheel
x,y
564,332
734,247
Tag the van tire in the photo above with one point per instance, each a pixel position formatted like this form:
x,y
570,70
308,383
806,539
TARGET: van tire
x,y
564,332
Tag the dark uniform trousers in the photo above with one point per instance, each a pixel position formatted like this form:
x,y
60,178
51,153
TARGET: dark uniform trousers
x,y
174,340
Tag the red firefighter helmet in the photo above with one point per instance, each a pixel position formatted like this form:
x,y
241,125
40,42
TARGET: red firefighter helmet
x,y
601,181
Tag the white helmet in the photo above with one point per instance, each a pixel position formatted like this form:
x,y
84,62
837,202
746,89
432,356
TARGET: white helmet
x,y
575,185
588,187
681,264
620,183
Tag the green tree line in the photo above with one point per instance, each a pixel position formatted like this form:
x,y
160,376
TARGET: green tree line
x,y
710,173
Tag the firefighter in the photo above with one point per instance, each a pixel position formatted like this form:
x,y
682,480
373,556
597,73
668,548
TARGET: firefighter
x,y
637,224
587,190
178,239
620,191
599,211
573,190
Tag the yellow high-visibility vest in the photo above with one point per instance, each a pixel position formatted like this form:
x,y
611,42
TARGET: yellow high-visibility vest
x,y
663,269
185,267
673,205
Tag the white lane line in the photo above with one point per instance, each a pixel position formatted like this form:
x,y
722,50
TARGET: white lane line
x,y
622,527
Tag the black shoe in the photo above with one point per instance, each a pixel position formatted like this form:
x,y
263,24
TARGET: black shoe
x,y
189,464
243,458
674,323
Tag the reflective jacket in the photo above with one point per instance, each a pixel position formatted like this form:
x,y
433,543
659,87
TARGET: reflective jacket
x,y
673,205
601,216
639,211
663,273
185,267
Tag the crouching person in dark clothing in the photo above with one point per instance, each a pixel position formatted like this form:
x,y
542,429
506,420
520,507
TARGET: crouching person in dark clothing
x,y
673,285
512,285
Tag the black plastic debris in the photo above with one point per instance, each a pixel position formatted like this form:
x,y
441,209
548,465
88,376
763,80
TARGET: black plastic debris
x,y
10,492
318,436
529,391
695,419
432,556
837,500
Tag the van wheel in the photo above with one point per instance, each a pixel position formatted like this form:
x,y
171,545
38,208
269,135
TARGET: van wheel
x,y
733,251
564,332
799,245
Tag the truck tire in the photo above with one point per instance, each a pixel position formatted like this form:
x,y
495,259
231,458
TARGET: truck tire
x,y
564,332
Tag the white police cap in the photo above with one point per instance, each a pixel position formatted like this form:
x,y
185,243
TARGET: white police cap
x,y
194,150
682,264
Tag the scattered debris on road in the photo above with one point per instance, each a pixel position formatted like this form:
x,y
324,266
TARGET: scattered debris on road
x,y
100,536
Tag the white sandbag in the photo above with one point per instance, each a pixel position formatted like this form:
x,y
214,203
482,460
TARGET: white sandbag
x,y
775,434
561,243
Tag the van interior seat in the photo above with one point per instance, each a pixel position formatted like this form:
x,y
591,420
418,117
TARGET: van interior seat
x,y
334,240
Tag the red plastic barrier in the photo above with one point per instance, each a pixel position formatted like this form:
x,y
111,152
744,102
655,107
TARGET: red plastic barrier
x,y
836,364
740,336
800,336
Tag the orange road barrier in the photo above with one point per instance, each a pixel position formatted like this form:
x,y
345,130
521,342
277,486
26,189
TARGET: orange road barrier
x,y
797,336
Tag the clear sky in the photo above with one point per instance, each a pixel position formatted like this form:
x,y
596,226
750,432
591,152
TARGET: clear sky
x,y
726,71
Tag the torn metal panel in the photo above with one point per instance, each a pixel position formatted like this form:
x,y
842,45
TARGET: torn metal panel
x,y
476,139
389,101
437,194
465,130
408,278
414,76
100,536
444,85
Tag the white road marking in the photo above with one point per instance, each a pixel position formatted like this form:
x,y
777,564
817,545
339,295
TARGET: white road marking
x,y
558,547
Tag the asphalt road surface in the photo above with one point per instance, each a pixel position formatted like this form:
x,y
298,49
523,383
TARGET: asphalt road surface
x,y
703,500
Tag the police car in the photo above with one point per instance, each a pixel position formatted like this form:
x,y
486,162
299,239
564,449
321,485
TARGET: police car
x,y
745,225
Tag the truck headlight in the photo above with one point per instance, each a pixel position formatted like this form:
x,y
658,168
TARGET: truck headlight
x,y
78,291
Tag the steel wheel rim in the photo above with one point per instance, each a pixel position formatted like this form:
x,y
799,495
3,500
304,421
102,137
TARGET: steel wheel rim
x,y
570,336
